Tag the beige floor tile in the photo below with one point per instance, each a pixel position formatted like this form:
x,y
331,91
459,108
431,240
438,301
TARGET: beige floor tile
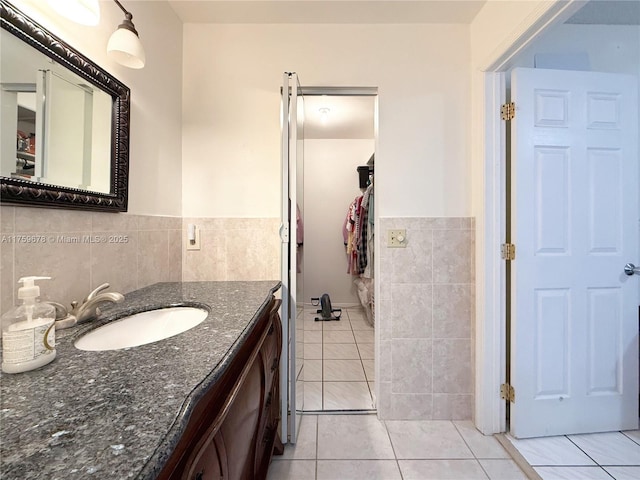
x,y
482,446
364,336
312,336
311,313
352,437
355,314
312,394
342,324
312,351
369,369
358,470
361,325
502,469
342,371
305,446
366,351
346,396
338,336
310,324
292,470
441,470
312,371
427,440
340,351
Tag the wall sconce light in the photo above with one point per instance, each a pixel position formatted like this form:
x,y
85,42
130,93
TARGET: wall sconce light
x,y
85,12
124,45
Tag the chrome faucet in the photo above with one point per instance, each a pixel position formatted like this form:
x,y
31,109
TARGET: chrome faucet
x,y
88,309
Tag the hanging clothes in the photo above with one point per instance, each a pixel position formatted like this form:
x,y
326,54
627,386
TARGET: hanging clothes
x,y
358,237
299,239
368,204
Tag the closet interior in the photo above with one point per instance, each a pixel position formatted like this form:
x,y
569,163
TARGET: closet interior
x,y
337,256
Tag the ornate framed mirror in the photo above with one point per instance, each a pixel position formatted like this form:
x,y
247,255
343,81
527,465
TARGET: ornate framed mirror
x,y
70,119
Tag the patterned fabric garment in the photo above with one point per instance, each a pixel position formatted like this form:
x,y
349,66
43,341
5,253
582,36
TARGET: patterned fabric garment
x,y
361,251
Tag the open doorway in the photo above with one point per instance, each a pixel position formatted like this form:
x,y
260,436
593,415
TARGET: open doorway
x,y
594,44
339,169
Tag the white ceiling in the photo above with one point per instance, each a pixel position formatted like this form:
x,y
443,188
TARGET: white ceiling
x,y
348,117
326,11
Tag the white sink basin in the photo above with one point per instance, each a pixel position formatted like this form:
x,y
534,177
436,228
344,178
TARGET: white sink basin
x,y
142,328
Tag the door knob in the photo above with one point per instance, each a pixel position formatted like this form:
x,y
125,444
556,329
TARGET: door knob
x,y
630,269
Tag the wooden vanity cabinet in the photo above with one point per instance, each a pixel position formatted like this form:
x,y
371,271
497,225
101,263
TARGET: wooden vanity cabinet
x,y
234,428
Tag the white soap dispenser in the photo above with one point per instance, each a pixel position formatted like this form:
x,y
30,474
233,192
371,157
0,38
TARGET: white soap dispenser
x,y
28,331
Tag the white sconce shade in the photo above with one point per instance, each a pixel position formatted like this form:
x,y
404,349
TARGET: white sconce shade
x,y
126,48
85,12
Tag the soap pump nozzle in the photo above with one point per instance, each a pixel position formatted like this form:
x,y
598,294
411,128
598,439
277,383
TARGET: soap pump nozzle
x,y
29,292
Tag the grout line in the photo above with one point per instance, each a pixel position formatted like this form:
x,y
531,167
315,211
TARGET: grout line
x,y
605,471
393,449
475,457
630,438
464,439
579,448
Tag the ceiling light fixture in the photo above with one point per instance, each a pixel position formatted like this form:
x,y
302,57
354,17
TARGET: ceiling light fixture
x,y
85,12
124,44
324,114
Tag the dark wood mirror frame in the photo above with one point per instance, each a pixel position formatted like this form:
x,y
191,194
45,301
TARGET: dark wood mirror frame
x,y
17,191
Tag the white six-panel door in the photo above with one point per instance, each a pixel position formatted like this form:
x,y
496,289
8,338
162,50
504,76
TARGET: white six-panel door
x,y
575,221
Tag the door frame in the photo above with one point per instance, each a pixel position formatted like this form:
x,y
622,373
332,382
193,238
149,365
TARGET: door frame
x,y
491,341
289,429
336,91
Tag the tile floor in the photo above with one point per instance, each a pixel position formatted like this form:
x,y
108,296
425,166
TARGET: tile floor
x,y
594,456
361,447
338,357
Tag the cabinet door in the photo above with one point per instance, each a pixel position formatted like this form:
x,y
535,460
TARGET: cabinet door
x,y
212,461
240,427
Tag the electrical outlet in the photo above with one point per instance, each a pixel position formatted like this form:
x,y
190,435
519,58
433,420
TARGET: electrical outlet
x,y
397,238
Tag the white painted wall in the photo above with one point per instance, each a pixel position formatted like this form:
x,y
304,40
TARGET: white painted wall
x,y
155,184
330,185
231,125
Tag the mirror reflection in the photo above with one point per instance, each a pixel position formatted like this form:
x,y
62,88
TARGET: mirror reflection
x,y
62,123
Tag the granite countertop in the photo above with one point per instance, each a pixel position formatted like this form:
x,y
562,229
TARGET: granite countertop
x,y
119,414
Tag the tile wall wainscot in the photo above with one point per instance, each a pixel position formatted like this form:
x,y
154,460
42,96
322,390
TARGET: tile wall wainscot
x,y
425,316
81,250
233,249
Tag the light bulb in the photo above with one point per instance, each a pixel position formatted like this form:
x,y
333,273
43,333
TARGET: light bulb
x,y
85,12
324,114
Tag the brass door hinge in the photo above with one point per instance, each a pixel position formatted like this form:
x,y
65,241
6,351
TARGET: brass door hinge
x,y
507,392
508,251
508,111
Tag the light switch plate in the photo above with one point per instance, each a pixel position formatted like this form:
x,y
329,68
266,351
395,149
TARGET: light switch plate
x,y
196,243
397,238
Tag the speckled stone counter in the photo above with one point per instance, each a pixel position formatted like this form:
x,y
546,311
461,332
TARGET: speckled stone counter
x,y
119,414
